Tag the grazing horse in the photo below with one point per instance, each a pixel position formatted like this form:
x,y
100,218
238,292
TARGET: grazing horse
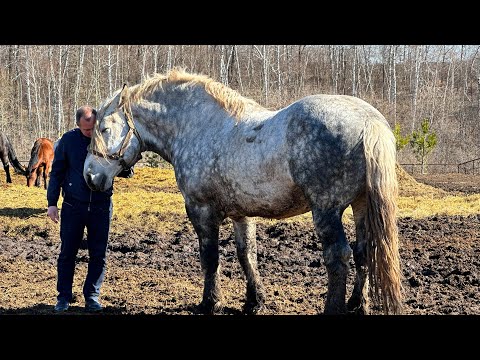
x,y
234,159
40,164
7,154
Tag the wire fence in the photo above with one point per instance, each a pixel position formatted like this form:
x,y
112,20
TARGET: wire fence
x,y
470,167
431,168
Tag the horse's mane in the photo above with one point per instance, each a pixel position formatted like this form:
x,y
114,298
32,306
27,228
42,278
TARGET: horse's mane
x,y
34,155
228,98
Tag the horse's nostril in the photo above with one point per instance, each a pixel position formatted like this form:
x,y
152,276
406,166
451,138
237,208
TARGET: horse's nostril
x,y
89,180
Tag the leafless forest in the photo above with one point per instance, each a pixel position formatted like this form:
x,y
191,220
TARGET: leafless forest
x,y
42,85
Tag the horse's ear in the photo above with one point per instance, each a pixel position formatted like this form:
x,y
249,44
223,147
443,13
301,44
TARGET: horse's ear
x,y
123,95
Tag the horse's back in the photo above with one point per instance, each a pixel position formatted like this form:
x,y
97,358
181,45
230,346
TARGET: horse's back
x,y
46,146
42,152
276,164
337,113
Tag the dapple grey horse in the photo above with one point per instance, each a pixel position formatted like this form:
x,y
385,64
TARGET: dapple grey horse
x,y
233,158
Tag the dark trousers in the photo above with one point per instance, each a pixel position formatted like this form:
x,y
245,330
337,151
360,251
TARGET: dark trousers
x,y
75,217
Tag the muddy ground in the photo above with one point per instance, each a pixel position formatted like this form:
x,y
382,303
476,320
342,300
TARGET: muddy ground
x,y
151,274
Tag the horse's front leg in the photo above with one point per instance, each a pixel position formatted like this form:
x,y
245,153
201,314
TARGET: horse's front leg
x,y
38,177
45,178
206,222
246,243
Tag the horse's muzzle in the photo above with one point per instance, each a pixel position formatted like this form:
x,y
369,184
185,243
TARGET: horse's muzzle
x,y
96,182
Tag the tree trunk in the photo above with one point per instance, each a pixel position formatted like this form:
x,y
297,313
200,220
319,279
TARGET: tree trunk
x,y
354,71
223,66
78,79
238,70
416,79
27,83
109,69
169,58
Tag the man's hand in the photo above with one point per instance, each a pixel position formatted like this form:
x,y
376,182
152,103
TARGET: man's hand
x,y
52,213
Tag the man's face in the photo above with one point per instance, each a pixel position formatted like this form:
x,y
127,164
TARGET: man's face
x,y
86,124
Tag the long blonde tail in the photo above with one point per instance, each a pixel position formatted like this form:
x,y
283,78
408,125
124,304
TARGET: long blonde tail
x,y
381,223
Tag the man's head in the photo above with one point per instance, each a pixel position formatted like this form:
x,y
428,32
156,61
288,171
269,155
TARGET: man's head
x,y
85,119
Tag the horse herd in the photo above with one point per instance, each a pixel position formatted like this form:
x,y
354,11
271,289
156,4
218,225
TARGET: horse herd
x,y
40,164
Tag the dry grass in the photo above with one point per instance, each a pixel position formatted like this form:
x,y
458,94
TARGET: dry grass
x,y
419,200
151,200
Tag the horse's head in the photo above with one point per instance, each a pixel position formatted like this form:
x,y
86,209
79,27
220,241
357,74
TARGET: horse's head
x,y
31,175
115,145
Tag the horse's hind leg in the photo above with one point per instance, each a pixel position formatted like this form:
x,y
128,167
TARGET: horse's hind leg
x,y
246,243
336,253
206,223
358,302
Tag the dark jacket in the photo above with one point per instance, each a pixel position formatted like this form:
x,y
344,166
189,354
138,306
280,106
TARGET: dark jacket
x,y
67,171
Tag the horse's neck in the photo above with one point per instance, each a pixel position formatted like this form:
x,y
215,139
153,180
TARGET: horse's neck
x,y
167,115
153,128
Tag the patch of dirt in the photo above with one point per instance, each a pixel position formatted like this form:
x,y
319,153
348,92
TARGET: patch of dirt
x,y
148,273
452,182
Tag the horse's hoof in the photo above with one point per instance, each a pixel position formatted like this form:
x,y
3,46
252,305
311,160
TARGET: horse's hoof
x,y
357,307
335,310
253,308
209,308
359,311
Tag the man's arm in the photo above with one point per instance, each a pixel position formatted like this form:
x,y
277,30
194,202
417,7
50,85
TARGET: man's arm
x,y
57,174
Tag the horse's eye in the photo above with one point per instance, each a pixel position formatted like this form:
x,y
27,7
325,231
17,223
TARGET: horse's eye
x,y
106,131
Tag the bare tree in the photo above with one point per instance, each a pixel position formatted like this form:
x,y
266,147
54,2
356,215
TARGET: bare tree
x,y
78,78
263,55
109,69
416,79
40,86
170,58
334,65
238,69
223,66
354,71
144,51
27,83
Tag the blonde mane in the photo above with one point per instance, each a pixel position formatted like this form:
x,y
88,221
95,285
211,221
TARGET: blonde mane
x,y
234,103
229,99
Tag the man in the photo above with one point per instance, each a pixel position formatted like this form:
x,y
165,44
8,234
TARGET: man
x,y
82,208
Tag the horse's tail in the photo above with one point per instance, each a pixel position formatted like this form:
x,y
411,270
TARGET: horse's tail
x,y
34,156
12,157
380,221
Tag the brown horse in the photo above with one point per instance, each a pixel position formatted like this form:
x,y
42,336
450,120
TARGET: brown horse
x,y
7,154
40,163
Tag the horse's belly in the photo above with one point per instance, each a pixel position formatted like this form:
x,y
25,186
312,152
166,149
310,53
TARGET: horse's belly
x,y
268,204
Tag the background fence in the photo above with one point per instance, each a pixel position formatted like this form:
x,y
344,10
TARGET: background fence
x,y
470,167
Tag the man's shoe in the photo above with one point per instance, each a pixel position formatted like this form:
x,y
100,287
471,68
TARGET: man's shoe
x,y
93,306
61,306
